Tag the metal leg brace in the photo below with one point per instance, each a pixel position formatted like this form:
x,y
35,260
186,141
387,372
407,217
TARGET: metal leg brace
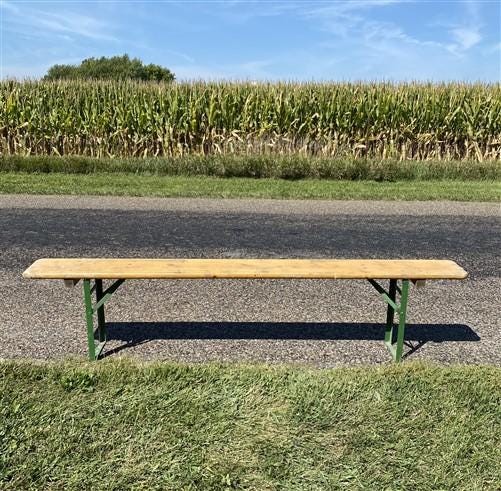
x,y
396,348
99,335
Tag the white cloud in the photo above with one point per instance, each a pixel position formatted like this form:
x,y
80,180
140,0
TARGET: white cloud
x,y
240,12
349,20
466,37
339,20
35,22
76,24
384,47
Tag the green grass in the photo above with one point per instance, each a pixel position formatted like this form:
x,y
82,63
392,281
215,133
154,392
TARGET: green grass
x,y
262,166
183,186
120,425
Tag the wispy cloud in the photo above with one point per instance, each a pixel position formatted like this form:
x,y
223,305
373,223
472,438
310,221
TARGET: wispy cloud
x,y
240,12
75,24
467,33
21,17
350,19
372,41
466,37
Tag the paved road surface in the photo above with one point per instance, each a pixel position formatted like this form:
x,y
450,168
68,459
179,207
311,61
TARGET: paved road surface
x,y
320,323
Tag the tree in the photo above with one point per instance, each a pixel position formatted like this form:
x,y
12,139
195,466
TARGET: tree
x,y
113,68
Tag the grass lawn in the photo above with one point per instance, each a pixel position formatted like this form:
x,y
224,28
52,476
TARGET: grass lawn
x,y
204,186
116,424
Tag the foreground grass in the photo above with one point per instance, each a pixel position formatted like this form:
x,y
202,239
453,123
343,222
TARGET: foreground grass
x,y
182,186
116,425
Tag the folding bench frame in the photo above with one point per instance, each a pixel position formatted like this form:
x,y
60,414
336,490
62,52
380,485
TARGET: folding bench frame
x,y
97,337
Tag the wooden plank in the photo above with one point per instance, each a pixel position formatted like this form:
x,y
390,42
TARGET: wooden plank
x,y
244,268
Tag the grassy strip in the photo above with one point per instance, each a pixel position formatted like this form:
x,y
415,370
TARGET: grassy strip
x,y
262,166
116,425
181,186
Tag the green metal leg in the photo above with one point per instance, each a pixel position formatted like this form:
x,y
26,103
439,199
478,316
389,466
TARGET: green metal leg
x,y
102,296
89,317
101,322
395,348
390,313
401,320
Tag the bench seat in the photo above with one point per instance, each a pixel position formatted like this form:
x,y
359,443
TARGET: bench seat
x,y
103,268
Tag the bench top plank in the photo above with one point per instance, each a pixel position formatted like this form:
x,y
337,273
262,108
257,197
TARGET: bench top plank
x,y
114,268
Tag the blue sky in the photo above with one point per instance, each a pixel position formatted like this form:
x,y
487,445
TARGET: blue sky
x,y
265,40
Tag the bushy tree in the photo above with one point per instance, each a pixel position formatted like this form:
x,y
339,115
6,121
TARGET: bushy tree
x,y
113,68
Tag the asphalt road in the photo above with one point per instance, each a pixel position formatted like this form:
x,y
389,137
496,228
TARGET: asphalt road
x,y
321,323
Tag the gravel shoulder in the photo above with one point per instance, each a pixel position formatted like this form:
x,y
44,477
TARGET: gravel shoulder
x,y
263,206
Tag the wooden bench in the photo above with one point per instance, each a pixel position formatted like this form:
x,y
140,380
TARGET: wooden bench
x,y
407,271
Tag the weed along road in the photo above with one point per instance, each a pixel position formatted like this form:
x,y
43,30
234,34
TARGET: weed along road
x,y
315,322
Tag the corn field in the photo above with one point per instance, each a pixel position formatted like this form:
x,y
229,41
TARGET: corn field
x,y
130,119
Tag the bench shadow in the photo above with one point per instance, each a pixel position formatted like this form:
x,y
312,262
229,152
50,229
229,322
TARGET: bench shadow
x,y
417,335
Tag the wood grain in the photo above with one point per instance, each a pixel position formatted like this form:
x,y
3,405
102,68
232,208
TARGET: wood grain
x,y
91,268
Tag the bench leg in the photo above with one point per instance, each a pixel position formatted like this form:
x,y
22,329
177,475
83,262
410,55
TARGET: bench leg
x,y
401,320
396,348
390,313
101,322
90,310
89,317
102,296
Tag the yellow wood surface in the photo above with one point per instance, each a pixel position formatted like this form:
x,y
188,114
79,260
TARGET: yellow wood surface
x,y
88,268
